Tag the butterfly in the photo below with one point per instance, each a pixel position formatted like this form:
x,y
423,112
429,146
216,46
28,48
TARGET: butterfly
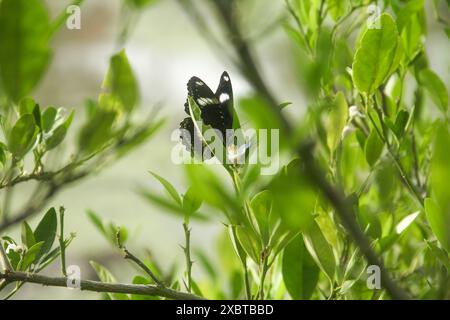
x,y
216,110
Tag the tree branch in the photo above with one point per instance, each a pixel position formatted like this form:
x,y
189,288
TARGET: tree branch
x,y
343,209
96,286
334,194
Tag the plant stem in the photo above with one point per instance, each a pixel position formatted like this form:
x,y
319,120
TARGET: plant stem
x,y
62,245
402,172
88,285
143,266
128,255
264,270
248,291
187,253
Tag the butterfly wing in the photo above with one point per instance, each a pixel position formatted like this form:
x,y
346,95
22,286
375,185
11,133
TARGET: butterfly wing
x,y
192,140
224,94
215,107
201,94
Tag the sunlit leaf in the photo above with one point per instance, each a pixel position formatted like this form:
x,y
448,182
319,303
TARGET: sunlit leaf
x,y
435,87
377,56
119,86
320,250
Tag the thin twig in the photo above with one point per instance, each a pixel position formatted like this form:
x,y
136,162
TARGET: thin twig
x,y
62,245
128,255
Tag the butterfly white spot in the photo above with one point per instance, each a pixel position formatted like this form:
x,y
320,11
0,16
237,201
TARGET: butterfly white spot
x,y
199,83
205,101
224,97
226,78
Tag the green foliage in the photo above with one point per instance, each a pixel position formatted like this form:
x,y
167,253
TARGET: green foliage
x,y
119,86
373,148
363,167
436,88
438,207
23,136
378,55
300,272
24,45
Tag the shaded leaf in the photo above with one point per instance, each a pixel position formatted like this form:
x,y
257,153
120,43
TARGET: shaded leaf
x,y
46,231
300,272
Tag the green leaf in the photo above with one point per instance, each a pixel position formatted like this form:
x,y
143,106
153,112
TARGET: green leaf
x,y
435,87
48,118
97,222
31,256
337,119
57,137
46,231
337,8
26,106
320,250
400,123
373,148
169,188
23,136
119,86
105,276
261,205
249,241
300,272
294,198
24,45
27,235
412,38
191,201
2,154
438,222
438,207
378,55
239,250
406,12
406,222
97,131
169,206
440,168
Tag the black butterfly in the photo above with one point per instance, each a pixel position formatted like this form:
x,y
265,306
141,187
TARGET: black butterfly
x,y
216,110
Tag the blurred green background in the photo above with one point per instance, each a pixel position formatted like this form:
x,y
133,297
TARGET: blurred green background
x,y
165,50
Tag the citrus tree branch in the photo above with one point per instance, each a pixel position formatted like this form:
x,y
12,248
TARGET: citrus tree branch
x,y
96,286
333,194
346,214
